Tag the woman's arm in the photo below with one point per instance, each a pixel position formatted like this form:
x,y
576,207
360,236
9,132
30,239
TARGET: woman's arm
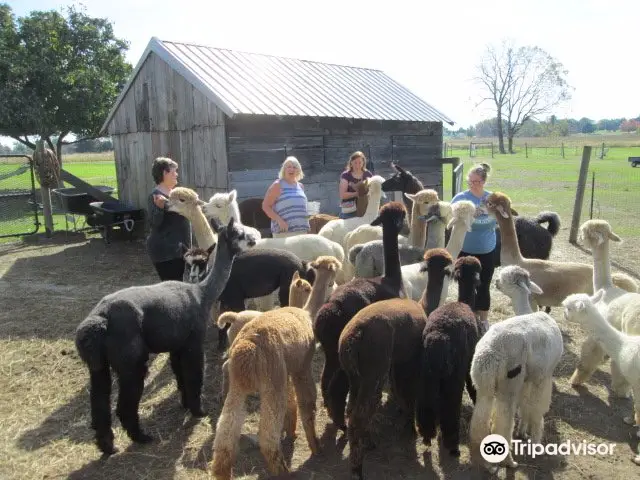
x,y
344,195
270,198
156,213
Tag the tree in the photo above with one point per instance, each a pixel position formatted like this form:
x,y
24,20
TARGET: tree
x,y
630,125
523,83
58,75
585,125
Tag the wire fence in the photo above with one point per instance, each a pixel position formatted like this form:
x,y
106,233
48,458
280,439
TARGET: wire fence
x,y
491,150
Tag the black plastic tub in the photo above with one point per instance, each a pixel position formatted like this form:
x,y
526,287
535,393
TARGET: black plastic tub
x,y
105,215
75,200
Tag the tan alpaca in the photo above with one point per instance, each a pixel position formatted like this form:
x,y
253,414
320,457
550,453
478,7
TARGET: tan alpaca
x,y
276,346
556,279
185,201
421,202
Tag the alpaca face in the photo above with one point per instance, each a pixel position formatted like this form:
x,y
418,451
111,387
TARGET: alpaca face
x,y
512,279
594,233
498,204
398,182
183,200
577,306
219,206
423,200
233,234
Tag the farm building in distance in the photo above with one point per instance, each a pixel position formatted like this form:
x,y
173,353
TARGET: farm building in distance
x,y
229,119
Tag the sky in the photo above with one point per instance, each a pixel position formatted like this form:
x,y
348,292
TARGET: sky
x,y
432,48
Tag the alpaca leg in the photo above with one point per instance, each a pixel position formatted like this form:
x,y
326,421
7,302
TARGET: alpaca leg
x,y
505,414
539,409
228,428
450,406
635,420
273,401
591,357
131,384
331,365
291,417
526,407
305,390
404,390
192,362
101,411
174,359
619,383
480,427
337,398
470,388
359,434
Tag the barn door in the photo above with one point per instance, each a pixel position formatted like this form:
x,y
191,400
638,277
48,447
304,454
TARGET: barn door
x,y
456,184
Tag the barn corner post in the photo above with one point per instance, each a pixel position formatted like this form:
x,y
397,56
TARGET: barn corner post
x,y
577,205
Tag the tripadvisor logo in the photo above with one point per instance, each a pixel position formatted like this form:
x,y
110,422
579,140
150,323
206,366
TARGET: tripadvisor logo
x,y
495,448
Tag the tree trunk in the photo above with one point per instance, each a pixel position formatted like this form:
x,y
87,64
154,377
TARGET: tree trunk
x,y
59,155
500,132
510,138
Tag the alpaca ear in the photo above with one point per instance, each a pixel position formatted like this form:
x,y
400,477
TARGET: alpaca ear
x,y
211,248
376,221
614,237
201,203
183,248
233,194
514,213
398,168
296,276
500,209
534,288
450,224
597,296
410,196
231,222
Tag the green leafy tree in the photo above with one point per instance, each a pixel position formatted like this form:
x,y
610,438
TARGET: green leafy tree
x,y
58,75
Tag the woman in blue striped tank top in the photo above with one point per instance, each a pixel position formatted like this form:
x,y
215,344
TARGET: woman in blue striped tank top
x,y
285,202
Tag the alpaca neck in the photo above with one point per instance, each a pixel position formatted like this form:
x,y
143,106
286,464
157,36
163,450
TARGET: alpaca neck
x,y
234,212
216,280
611,339
391,254
418,232
456,240
318,294
435,234
202,230
521,304
467,292
432,295
373,206
510,249
601,267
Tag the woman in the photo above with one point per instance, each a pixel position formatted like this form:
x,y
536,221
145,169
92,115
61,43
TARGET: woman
x,y
285,202
355,171
168,229
481,240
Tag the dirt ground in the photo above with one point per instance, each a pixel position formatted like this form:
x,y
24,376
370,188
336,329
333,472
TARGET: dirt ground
x,y
48,286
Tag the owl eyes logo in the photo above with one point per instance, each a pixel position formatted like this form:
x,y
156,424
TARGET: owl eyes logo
x,y
494,448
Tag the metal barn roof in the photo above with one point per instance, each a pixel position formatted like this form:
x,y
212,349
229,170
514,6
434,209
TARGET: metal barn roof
x,y
257,84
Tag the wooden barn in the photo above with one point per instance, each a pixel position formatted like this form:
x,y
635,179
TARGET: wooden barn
x,y
230,118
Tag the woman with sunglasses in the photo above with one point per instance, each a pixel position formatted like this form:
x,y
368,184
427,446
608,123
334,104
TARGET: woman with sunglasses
x,y
480,242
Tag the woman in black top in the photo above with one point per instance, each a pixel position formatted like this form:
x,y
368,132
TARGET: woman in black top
x,y
168,229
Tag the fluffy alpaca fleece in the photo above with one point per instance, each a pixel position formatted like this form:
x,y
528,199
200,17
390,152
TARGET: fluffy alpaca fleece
x,y
449,339
185,201
556,279
126,326
350,298
414,277
368,258
270,354
512,368
336,230
622,348
421,201
223,206
319,220
619,307
402,181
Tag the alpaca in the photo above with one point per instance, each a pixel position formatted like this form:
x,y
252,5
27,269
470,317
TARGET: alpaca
x,y
557,280
185,201
253,215
195,262
350,298
269,354
319,220
403,181
513,367
368,258
535,241
619,307
336,230
623,349
437,218
414,279
224,206
421,200
126,326
449,340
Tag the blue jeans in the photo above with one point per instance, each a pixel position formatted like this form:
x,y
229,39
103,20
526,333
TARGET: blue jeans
x,y
347,215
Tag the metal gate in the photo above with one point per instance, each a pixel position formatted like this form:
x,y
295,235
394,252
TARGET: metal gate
x,y
18,201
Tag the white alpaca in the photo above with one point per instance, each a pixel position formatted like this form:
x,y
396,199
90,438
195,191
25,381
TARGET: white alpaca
x,y
420,203
624,349
224,206
415,281
619,307
336,230
512,368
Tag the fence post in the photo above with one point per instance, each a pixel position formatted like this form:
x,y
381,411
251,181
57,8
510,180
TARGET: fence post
x,y
526,153
491,149
562,149
577,206
593,189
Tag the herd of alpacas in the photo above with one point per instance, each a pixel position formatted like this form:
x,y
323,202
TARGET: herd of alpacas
x,y
371,293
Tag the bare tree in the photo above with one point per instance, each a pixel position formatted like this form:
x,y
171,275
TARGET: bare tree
x,y
523,83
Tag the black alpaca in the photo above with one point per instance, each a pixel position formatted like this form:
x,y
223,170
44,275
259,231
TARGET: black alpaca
x,y
449,340
126,326
402,181
347,300
255,273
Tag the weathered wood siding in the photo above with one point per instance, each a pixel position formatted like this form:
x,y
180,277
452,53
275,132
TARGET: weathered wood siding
x,y
257,147
164,115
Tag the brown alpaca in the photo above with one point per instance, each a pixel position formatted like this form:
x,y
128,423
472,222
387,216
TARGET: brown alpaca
x,y
319,220
275,347
362,200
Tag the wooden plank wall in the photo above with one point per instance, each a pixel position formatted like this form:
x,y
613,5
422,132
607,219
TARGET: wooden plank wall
x,y
164,115
257,147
